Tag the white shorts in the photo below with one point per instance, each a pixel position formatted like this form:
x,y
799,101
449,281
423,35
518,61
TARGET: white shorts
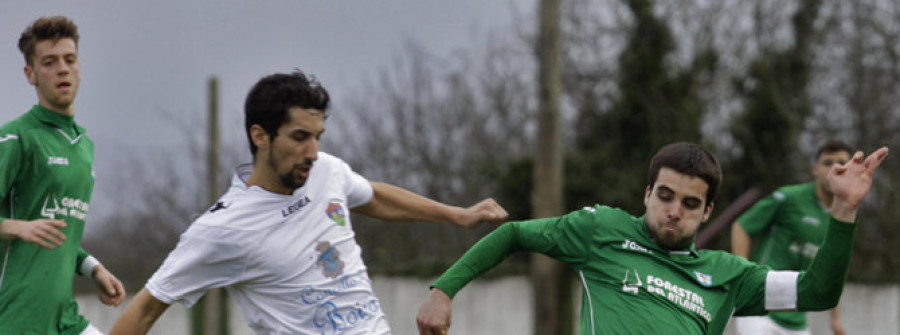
x,y
762,325
91,330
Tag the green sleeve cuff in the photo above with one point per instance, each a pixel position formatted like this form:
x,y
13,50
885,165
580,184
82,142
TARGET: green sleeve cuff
x,y
79,259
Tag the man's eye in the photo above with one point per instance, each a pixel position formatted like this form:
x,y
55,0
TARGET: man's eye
x,y
692,203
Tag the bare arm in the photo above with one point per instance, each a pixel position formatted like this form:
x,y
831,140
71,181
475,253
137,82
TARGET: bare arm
x,y
740,240
139,315
836,325
392,203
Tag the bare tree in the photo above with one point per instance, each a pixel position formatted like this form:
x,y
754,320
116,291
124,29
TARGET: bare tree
x,y
442,127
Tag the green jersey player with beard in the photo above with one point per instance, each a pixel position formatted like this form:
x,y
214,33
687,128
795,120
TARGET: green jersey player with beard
x,y
642,275
45,192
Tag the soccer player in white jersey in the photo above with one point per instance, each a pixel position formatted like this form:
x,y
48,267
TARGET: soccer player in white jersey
x,y
280,240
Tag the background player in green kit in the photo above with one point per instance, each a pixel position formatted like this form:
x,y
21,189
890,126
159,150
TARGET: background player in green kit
x,y
789,226
642,275
45,193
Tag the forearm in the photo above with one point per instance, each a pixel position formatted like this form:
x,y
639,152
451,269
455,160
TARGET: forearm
x,y
820,286
483,256
140,315
740,241
392,203
5,231
8,230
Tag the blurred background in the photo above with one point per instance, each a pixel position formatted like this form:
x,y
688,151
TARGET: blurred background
x,y
443,98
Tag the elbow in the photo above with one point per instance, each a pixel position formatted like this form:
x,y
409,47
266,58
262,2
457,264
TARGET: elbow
x,y
825,298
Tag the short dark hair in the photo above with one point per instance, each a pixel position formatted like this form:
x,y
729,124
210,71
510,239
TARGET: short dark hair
x,y
270,99
833,145
690,159
52,28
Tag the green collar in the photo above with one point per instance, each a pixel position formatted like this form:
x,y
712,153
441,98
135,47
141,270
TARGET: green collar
x,y
64,122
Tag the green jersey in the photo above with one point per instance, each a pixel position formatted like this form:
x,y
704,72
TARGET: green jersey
x,y
634,286
47,163
789,225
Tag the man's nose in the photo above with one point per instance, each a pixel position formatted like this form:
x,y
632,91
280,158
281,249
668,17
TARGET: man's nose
x,y
673,212
312,153
64,68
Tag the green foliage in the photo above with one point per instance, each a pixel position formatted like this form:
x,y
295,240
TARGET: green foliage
x,y
774,92
657,104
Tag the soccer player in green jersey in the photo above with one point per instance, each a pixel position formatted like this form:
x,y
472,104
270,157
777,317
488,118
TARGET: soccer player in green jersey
x,y
789,226
642,275
45,192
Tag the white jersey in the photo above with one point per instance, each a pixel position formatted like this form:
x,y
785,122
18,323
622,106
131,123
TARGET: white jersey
x,y
290,261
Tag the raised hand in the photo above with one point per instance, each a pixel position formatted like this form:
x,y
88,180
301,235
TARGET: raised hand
x,y
851,182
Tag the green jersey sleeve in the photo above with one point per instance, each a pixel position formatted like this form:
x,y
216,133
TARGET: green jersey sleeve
x,y
79,259
11,165
564,238
757,218
820,286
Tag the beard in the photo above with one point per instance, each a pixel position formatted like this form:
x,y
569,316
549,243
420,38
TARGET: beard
x,y
292,179
668,239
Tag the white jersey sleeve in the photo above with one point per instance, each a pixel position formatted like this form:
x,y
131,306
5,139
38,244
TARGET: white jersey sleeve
x,y
204,259
358,189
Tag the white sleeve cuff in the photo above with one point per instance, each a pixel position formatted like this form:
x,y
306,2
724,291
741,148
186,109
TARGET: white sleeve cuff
x,y
781,290
87,266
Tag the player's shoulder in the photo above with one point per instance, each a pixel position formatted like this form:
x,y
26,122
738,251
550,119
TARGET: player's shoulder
x,y
601,216
243,209
330,160
795,191
18,126
328,169
604,211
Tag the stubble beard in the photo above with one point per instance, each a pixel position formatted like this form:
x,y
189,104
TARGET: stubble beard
x,y
667,240
289,179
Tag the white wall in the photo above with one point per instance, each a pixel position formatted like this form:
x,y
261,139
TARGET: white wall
x,y
503,306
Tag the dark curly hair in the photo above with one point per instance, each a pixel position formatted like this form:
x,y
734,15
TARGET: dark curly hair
x,y
270,99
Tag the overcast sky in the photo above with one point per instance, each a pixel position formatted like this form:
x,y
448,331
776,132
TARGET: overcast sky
x,y
145,61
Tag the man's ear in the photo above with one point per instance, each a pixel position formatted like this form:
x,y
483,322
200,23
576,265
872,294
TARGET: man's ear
x,y
707,212
647,195
260,137
29,73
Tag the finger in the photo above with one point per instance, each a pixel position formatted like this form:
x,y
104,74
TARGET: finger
x,y
57,223
49,236
52,238
118,288
57,234
44,244
876,158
